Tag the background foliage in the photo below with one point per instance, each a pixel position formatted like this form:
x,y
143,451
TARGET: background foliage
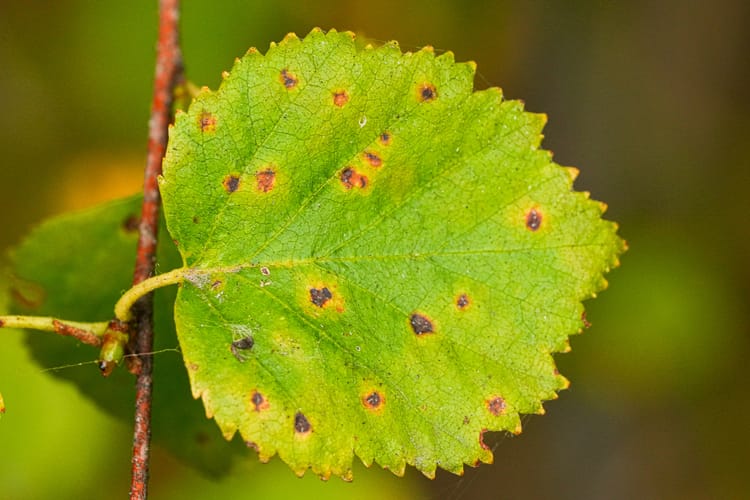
x,y
645,97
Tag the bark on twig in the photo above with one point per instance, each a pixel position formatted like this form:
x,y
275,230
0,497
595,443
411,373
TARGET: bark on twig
x,y
168,74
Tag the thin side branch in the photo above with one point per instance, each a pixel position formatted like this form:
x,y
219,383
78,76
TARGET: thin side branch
x,y
88,333
168,75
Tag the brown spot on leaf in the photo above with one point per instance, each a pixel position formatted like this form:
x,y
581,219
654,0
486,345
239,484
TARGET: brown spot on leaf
x,y
266,179
496,405
301,424
426,92
351,178
207,122
253,445
385,138
288,79
196,219
320,296
231,183
373,159
265,271
586,323
340,98
420,324
131,223
462,302
259,402
243,344
193,367
374,400
533,219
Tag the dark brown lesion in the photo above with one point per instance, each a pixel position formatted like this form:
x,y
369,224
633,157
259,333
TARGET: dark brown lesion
x,y
350,178
421,324
373,159
462,302
496,405
265,179
373,400
288,79
231,183
320,296
301,424
533,219
385,138
207,122
426,92
259,401
240,345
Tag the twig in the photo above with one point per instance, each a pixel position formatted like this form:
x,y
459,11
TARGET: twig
x,y
168,74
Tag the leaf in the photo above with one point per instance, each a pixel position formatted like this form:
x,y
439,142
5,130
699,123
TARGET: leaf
x,y
76,266
378,260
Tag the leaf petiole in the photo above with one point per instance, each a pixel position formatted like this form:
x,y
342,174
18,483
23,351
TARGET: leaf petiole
x,y
123,306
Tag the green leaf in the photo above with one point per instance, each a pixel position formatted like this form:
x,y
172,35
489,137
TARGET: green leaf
x,y
379,261
76,266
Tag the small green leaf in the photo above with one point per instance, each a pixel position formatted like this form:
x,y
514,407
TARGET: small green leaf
x,y
76,266
379,261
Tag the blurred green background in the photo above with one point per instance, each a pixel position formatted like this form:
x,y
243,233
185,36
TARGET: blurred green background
x,y
646,98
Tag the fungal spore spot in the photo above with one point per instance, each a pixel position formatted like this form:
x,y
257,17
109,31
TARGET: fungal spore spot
x,y
427,92
462,302
340,98
320,296
373,400
373,159
259,402
231,183
533,219
207,122
288,79
420,324
385,138
350,178
301,424
496,405
243,344
266,179
265,271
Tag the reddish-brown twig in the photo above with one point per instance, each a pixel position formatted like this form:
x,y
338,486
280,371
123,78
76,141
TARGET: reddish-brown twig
x,y
168,73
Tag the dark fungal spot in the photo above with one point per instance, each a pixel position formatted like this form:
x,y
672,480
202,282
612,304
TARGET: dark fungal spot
x,y
207,122
373,400
420,324
385,138
301,424
288,78
216,284
131,223
340,98
373,159
496,406
265,179
265,271
320,296
259,401
243,344
427,92
231,183
533,219
351,178
196,219
462,302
